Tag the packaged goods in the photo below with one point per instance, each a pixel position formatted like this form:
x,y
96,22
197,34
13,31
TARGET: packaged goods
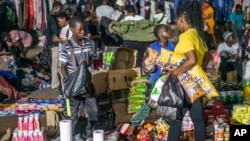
x,y
195,81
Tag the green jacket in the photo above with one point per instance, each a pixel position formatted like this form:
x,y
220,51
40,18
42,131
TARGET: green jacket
x,y
142,30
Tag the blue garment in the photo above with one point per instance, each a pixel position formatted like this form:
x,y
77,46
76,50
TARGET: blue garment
x,y
238,19
8,74
156,46
223,9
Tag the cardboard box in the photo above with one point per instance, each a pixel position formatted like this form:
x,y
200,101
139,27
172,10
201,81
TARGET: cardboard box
x,y
117,79
125,58
99,80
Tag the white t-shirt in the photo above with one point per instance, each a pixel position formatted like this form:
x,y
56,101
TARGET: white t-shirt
x,y
64,31
132,18
234,49
115,16
104,10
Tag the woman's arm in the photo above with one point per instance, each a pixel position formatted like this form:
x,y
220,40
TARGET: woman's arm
x,y
188,64
206,60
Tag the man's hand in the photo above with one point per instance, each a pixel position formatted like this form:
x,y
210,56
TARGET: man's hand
x,y
56,39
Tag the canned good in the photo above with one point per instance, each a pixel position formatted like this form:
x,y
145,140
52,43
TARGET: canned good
x,y
226,139
226,135
231,97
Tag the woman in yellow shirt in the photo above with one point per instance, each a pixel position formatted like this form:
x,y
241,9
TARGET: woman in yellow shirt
x,y
192,45
209,20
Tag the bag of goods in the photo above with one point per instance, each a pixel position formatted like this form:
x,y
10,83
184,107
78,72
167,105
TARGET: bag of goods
x,y
195,81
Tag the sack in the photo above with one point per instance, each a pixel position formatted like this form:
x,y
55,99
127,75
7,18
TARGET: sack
x,y
44,57
78,82
172,93
52,129
169,112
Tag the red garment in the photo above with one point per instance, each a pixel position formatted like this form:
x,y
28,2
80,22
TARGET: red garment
x,y
31,15
8,89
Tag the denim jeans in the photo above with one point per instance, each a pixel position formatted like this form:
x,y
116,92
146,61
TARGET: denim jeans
x,y
196,114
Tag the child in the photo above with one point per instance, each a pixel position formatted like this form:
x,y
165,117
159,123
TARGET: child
x,y
162,33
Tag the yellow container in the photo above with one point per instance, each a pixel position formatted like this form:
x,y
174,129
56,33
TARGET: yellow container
x,y
246,91
241,109
247,116
238,115
245,121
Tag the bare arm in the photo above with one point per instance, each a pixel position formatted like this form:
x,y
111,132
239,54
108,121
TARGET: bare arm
x,y
189,63
206,60
64,70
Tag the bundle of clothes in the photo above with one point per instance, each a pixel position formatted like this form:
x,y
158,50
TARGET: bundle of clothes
x,y
21,74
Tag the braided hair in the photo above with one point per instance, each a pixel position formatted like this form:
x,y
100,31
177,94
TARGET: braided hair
x,y
192,13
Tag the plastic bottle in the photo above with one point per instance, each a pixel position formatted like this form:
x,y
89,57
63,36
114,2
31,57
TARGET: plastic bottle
x,y
36,123
246,91
31,123
30,136
20,136
40,136
20,124
14,137
26,123
25,135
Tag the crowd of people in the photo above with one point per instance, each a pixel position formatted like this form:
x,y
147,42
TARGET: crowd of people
x,y
70,29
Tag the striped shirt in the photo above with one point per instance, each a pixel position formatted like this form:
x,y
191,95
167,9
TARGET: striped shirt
x,y
82,53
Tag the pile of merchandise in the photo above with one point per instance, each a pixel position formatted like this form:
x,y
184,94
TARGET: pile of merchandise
x,y
28,129
241,114
29,106
137,94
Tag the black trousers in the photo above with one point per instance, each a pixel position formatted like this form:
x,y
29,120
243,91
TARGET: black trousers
x,y
196,114
230,66
90,105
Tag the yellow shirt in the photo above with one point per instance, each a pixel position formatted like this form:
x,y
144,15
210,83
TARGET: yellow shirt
x,y
191,40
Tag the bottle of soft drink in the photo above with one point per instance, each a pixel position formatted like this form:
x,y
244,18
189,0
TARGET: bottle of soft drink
x,y
26,123
31,123
25,135
30,136
20,124
36,123
14,137
20,136
35,136
40,136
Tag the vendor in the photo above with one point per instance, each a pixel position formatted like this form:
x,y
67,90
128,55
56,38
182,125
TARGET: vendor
x,y
18,42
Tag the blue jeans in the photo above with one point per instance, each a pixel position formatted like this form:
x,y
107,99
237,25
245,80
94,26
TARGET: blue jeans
x,y
196,114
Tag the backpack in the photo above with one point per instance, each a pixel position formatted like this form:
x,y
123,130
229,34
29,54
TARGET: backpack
x,y
109,39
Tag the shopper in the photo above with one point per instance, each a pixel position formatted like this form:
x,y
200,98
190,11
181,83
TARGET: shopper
x,y
192,45
162,33
52,34
209,21
229,51
237,20
119,13
63,22
18,42
82,50
104,10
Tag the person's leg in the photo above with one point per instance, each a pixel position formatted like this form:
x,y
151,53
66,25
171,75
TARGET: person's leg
x,y
55,83
92,110
196,114
175,127
74,107
223,70
238,66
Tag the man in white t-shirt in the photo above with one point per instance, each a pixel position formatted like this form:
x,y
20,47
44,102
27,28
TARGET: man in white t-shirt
x,y
131,15
230,53
104,10
119,13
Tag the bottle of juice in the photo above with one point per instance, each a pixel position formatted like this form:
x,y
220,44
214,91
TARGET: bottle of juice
x,y
246,91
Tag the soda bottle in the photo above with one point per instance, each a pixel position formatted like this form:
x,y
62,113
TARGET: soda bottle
x,y
20,124
14,137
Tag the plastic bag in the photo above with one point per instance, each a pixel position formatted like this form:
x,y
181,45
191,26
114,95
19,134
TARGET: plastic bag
x,y
169,112
195,81
172,93
156,91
